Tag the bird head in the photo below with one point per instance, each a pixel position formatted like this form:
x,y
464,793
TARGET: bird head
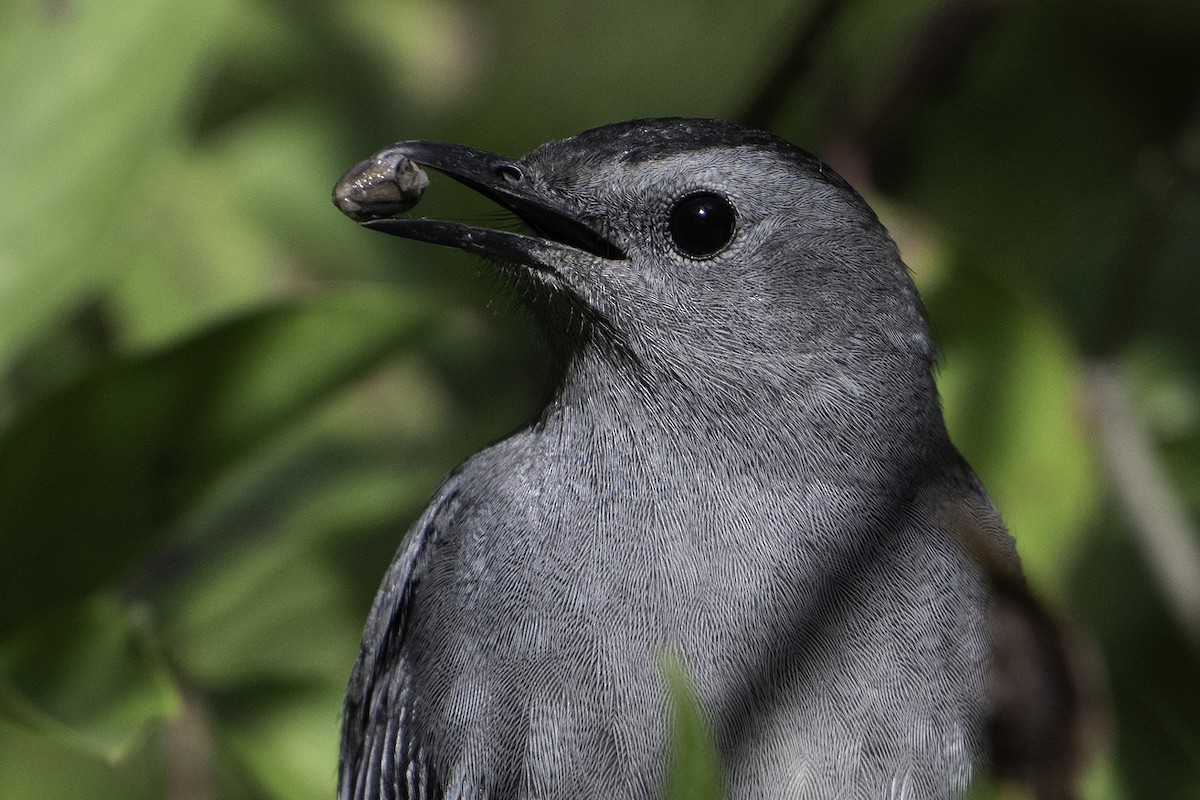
x,y
695,247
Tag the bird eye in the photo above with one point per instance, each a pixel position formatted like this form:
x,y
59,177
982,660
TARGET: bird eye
x,y
702,224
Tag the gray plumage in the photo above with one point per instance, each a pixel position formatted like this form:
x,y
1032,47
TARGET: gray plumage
x,y
742,463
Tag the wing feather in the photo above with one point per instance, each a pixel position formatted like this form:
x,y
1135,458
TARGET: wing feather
x,y
380,756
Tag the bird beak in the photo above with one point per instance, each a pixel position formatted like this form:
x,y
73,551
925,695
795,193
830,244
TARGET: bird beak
x,y
387,183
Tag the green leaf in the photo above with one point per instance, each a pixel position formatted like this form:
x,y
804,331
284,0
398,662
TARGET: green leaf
x,y
94,475
283,741
267,612
91,92
695,771
92,680
1009,380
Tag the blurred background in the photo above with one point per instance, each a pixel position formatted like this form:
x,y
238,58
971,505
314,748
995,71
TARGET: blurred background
x,y
221,403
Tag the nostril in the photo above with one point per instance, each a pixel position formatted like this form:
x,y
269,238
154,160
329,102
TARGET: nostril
x,y
510,173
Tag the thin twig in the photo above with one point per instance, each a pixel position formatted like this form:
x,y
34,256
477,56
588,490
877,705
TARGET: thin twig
x,y
1160,523
186,743
764,106
1157,517
932,64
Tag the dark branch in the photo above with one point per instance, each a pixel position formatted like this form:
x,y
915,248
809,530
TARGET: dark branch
x,y
763,108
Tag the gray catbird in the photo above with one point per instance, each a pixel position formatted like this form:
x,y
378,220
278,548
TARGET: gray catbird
x,y
742,465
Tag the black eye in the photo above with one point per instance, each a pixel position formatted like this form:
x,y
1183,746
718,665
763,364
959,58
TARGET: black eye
x,y
702,224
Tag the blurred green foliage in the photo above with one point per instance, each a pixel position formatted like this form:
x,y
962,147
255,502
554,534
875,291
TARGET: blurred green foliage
x,y
694,772
221,403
